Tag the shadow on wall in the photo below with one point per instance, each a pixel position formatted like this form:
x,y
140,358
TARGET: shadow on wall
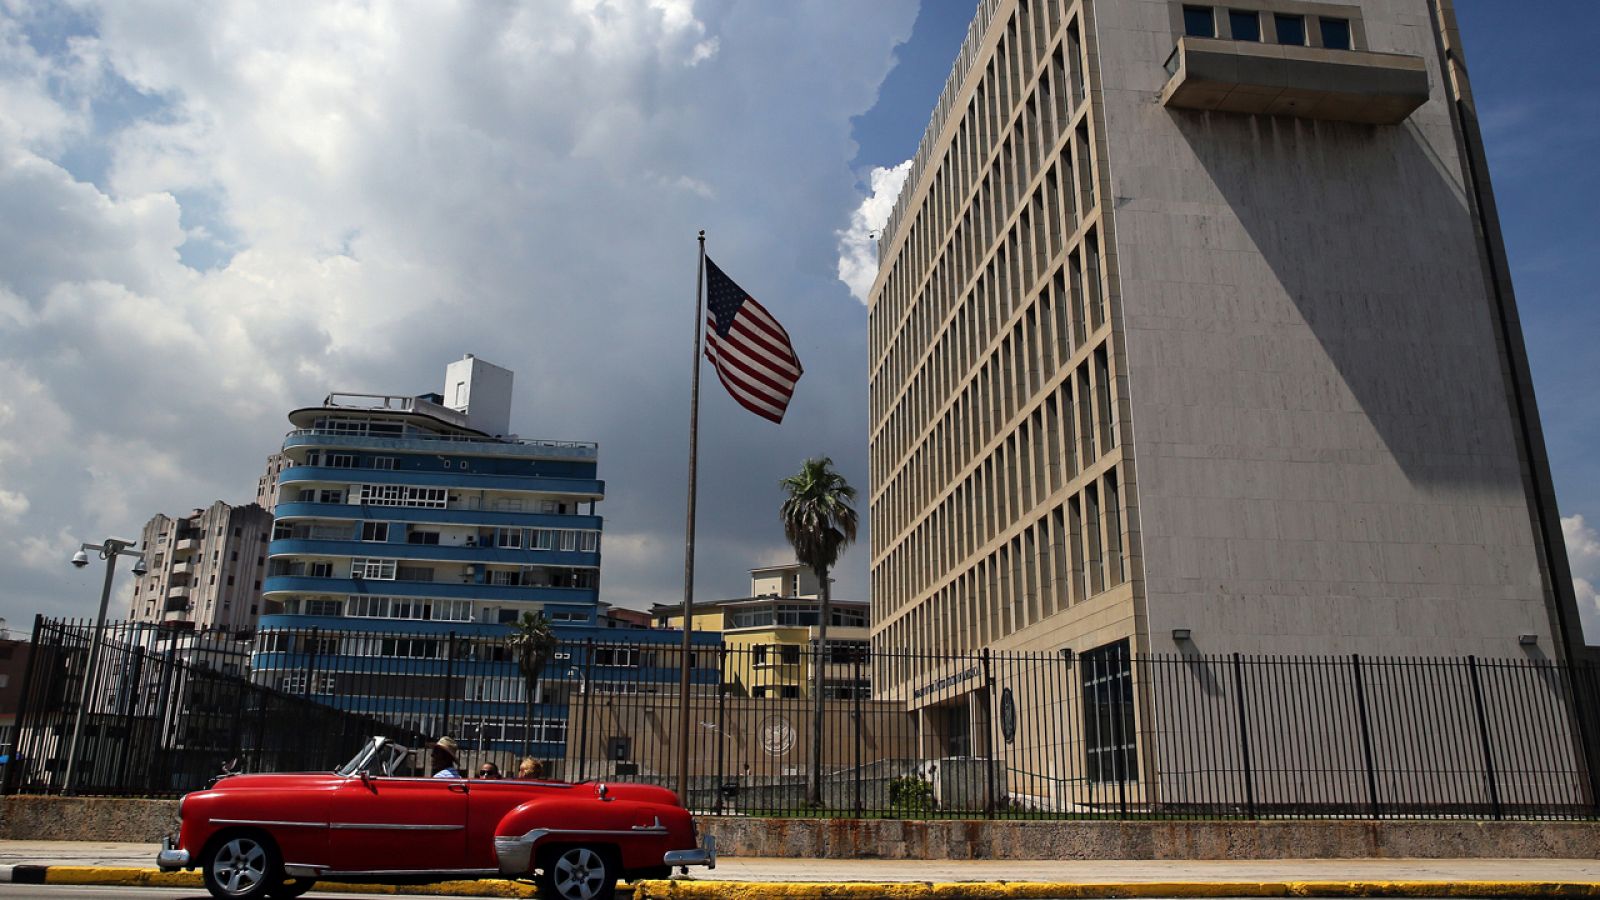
x,y
1373,239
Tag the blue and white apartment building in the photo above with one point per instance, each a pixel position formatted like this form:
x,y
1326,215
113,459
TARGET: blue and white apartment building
x,y
409,533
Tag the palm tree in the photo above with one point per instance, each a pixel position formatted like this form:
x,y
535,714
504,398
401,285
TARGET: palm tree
x,y
532,643
819,522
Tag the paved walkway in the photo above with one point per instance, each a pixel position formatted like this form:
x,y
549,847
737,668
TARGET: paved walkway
x,y
90,853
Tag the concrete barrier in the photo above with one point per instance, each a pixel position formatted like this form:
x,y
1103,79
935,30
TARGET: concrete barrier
x,y
101,819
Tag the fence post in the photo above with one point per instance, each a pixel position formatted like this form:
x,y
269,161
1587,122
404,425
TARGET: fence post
x,y
26,719
988,735
722,728
450,673
134,692
855,692
1366,735
313,644
1483,736
583,722
1244,736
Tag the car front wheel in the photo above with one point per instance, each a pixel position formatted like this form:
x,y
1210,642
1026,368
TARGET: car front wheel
x,y
578,873
242,867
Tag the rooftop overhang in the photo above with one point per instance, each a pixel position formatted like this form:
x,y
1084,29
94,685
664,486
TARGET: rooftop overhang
x,y
1284,80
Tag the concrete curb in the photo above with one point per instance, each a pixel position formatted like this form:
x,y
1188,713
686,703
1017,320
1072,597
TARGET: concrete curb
x,y
864,890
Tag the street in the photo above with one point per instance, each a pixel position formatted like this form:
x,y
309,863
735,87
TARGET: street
x,y
59,891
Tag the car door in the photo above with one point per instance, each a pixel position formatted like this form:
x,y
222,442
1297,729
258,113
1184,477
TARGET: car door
x,y
398,825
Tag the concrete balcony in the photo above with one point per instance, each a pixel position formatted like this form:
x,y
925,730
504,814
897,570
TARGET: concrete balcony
x,y
178,592
176,604
182,568
1284,80
185,547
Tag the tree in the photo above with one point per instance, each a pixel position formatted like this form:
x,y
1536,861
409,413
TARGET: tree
x,y
819,522
533,644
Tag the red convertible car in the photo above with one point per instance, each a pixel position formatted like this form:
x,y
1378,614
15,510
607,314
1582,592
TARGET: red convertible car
x,y
372,820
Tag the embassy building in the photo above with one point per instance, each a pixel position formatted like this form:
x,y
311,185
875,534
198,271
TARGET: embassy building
x,y
1193,333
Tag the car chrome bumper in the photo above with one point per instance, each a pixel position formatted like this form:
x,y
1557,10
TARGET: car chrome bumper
x,y
700,856
170,858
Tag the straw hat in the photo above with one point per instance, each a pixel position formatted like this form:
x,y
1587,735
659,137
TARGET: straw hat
x,y
449,745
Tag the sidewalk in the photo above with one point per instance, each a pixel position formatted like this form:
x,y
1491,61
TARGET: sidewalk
x,y
124,863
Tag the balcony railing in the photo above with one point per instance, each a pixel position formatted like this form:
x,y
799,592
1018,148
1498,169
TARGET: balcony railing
x,y
436,442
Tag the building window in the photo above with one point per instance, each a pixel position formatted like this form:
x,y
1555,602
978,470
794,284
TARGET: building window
x,y
375,531
1198,21
380,569
383,462
423,537
510,539
1335,33
330,496
1245,24
1291,29
341,460
324,606
230,581
1110,746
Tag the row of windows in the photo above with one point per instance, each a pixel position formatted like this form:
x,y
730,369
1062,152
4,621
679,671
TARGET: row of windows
x,y
1284,28
567,539
1071,553
1064,435
430,498
795,615
379,569
1046,336
975,194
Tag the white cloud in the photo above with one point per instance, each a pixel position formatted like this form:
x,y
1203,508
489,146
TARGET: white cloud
x,y
858,244
373,192
1583,554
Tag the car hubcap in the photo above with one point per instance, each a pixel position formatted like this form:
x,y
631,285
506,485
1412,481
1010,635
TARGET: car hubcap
x,y
580,874
241,865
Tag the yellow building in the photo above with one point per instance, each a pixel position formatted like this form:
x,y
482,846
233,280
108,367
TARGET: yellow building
x,y
769,637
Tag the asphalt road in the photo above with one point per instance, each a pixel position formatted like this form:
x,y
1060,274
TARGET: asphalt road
x,y
63,891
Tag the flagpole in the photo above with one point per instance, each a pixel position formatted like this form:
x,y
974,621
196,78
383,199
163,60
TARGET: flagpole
x,y
688,540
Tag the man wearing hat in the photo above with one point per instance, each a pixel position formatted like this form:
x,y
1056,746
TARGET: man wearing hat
x,y
445,753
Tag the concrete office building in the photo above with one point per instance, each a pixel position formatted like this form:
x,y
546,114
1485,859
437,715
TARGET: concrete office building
x,y
1193,332
205,569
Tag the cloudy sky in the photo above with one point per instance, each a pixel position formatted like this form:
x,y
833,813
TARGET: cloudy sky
x,y
213,213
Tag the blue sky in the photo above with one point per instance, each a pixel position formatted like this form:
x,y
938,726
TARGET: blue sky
x,y
218,212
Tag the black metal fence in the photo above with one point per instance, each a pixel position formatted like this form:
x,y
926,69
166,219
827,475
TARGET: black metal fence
x,y
1004,735
164,712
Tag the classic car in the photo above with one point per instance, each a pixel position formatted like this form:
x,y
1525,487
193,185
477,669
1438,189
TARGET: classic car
x,y
379,819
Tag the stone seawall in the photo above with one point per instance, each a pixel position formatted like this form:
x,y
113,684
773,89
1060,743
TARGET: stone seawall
x,y
108,819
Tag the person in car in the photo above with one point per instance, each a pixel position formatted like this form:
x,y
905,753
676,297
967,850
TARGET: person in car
x,y
489,771
445,753
530,769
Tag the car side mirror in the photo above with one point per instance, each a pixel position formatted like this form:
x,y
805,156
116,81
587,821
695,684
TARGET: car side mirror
x,y
366,779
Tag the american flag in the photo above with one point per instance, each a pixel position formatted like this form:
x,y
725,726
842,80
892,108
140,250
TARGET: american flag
x,y
748,347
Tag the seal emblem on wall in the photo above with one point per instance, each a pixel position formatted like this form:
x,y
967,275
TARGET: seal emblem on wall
x,y
777,736
1008,716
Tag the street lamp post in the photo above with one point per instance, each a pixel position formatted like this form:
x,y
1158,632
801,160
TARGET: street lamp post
x,y
108,550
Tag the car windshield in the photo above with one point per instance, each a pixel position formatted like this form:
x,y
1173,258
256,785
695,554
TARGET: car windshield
x,y
379,757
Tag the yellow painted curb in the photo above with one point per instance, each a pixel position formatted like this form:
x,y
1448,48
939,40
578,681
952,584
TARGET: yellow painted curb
x,y
122,875
1036,890
916,890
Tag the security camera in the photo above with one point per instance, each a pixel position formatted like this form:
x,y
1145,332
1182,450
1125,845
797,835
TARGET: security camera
x,y
80,559
139,568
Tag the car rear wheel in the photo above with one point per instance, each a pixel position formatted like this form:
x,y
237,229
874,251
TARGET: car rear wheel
x,y
242,866
578,873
